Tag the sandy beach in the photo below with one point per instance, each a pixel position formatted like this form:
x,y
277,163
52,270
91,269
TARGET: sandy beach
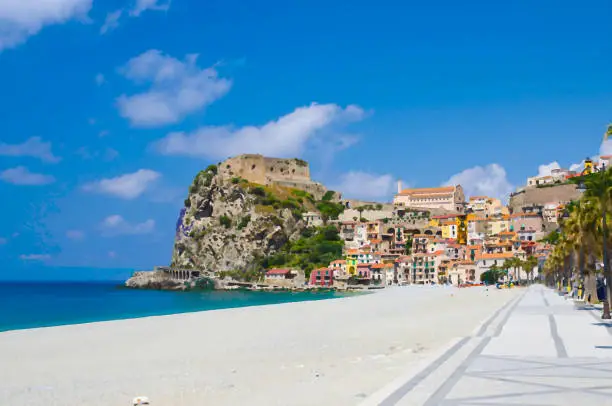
x,y
331,352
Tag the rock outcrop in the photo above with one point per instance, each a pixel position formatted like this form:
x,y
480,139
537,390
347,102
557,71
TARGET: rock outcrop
x,y
540,196
229,222
153,280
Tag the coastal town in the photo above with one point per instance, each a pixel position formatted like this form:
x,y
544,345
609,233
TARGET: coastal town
x,y
436,236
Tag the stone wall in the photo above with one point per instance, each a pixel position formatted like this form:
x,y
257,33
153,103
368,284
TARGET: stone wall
x,y
264,170
369,215
543,195
293,173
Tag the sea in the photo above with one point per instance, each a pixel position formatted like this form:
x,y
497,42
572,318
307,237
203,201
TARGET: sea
x,y
44,304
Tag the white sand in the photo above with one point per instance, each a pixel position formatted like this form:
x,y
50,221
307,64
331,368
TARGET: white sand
x,y
331,352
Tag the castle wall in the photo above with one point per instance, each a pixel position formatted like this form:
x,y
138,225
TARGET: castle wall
x,y
264,170
543,196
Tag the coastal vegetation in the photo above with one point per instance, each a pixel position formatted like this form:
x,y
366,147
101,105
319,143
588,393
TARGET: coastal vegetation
x,y
496,272
585,239
315,248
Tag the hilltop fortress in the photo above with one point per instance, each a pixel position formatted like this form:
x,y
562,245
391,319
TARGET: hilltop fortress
x,y
294,173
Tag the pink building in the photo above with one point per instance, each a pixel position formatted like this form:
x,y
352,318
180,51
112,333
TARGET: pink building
x,y
322,277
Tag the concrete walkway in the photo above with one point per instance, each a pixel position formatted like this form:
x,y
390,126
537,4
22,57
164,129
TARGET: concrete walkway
x,y
537,350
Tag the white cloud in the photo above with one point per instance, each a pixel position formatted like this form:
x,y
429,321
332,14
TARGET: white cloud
x,y
99,81
489,180
128,186
34,257
20,175
143,5
606,147
75,234
178,88
286,136
115,225
577,167
20,19
111,21
546,169
33,147
363,185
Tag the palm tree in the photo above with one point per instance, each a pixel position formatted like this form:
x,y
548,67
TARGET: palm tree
x,y
583,232
514,263
598,191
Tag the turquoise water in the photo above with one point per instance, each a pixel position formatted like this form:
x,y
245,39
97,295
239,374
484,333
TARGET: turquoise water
x,y
44,304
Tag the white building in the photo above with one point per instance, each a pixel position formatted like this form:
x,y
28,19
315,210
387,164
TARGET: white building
x,y
447,197
312,219
535,181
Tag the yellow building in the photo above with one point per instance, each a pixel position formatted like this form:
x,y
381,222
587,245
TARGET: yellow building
x,y
449,228
462,230
351,262
498,225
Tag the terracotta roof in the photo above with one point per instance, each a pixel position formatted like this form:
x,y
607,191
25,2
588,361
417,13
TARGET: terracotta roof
x,y
376,241
363,265
436,253
466,262
278,271
503,255
445,216
378,266
339,261
443,189
352,252
478,197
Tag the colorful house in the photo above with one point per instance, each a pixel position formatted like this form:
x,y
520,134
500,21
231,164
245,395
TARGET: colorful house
x,y
339,267
352,259
322,277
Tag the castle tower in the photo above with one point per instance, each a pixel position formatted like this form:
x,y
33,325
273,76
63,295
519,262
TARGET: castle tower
x,y
399,186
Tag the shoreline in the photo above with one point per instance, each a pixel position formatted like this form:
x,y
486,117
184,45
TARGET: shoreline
x,y
302,296
324,350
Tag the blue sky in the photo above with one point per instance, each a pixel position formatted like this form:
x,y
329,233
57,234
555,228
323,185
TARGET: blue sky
x,y
108,109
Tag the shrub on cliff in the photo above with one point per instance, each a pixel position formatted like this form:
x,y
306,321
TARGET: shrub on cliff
x,y
244,222
329,210
328,196
225,221
317,247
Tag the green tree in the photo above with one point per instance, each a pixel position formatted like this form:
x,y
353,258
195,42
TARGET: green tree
x,y
599,191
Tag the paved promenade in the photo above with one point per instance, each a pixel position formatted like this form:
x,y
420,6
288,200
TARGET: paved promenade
x,y
537,350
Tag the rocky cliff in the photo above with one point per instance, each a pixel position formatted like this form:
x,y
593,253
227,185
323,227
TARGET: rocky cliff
x,y
541,196
229,223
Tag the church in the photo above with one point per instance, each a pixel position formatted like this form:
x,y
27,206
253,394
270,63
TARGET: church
x,y
449,198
